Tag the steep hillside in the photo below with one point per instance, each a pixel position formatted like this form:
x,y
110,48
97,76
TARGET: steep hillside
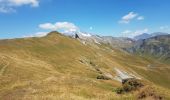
x,y
58,67
118,42
157,47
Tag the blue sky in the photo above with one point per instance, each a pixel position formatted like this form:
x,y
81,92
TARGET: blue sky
x,y
19,18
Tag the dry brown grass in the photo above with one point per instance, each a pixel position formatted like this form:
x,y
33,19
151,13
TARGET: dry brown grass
x,y
49,68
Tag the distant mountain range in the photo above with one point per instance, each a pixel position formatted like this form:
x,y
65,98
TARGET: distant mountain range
x,y
157,46
146,35
115,42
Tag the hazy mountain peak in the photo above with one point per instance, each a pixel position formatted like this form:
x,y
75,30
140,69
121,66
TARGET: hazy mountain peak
x,y
158,33
147,35
142,36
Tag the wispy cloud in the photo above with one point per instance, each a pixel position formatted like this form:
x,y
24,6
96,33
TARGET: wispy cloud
x,y
138,32
129,17
7,6
37,34
6,9
164,27
140,18
126,32
64,26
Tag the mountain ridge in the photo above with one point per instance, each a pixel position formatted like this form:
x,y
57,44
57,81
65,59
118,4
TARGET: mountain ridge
x,y
147,35
59,67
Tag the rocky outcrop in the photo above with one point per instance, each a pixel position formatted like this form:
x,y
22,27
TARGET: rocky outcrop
x,y
123,75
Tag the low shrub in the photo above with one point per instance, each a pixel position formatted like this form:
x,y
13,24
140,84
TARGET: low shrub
x,y
129,85
149,92
119,90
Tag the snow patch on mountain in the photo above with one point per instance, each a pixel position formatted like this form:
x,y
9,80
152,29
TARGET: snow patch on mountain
x,y
86,35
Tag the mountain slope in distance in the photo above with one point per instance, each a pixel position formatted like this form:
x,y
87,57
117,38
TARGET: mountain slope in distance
x,y
156,47
146,35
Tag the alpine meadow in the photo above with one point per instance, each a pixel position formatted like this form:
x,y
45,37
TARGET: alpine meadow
x,y
84,50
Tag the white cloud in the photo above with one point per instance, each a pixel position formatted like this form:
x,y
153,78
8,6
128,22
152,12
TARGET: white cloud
x,y
64,26
164,27
47,26
138,32
7,6
128,33
37,34
140,18
127,18
6,10
33,3
40,34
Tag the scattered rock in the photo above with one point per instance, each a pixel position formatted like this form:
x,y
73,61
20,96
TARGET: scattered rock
x,y
81,61
92,64
98,70
76,36
102,77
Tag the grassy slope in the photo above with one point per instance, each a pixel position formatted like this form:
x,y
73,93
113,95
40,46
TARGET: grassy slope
x,y
50,68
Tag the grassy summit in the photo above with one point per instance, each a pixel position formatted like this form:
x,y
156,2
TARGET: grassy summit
x,y
58,67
